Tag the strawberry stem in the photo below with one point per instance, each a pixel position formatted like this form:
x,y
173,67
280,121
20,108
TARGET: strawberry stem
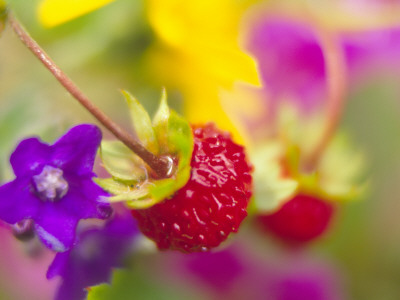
x,y
160,165
337,87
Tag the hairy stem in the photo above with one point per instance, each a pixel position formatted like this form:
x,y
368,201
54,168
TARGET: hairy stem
x,y
159,165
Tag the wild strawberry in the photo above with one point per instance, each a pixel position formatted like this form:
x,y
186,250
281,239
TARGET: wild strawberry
x,y
213,202
300,220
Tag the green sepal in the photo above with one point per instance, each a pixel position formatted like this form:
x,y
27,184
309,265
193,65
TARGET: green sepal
x,y
281,173
339,176
121,163
123,190
130,181
160,121
163,188
141,123
271,189
179,141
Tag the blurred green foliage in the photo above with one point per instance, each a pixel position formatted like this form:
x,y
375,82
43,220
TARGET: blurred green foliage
x,y
106,50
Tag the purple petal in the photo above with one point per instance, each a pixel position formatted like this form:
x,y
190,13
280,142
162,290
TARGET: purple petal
x,y
122,225
58,265
29,156
17,201
64,293
55,227
76,150
91,261
290,60
82,199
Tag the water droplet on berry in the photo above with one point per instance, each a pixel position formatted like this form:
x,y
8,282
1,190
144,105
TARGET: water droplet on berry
x,y
189,193
176,227
186,214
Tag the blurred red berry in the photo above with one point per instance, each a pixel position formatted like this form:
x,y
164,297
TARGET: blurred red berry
x,y
300,220
213,202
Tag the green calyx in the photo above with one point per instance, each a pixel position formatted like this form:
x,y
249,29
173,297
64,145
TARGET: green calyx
x,y
271,189
337,177
168,135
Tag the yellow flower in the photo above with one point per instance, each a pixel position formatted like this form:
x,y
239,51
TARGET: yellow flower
x,y
198,53
55,12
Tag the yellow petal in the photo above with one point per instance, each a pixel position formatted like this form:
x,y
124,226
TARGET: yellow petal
x,y
206,33
55,12
199,53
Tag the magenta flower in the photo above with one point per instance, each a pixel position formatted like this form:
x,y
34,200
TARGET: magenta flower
x,y
292,62
239,272
218,269
92,260
305,279
371,51
290,59
54,187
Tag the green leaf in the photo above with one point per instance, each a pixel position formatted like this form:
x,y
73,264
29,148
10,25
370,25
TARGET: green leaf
x,y
121,162
142,123
143,285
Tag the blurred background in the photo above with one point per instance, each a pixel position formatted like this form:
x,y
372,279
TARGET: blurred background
x,y
142,46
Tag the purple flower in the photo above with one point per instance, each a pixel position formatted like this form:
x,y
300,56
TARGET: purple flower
x,y
91,261
54,187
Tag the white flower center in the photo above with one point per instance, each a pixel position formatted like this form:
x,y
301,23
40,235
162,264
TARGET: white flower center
x,y
50,184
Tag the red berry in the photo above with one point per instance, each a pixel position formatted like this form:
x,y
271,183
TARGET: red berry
x,y
300,220
213,202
